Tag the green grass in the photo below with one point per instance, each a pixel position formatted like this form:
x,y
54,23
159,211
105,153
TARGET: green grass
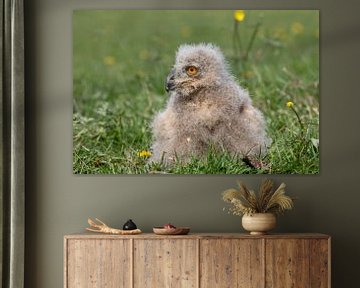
x,y
121,59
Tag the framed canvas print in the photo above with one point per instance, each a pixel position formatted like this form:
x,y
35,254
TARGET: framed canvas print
x,y
196,92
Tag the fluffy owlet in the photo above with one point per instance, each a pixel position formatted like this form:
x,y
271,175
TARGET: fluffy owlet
x,y
206,108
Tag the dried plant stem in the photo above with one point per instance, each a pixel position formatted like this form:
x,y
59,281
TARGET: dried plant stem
x,y
245,201
101,227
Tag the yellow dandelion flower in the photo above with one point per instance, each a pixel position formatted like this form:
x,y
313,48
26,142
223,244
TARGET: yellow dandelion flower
x,y
109,60
144,153
297,28
290,104
239,15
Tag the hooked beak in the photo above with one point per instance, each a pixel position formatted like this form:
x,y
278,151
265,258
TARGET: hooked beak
x,y
170,81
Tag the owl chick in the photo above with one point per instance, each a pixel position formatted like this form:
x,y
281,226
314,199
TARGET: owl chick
x,y
206,108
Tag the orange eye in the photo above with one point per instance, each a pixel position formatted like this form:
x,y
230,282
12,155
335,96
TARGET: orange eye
x,y
191,70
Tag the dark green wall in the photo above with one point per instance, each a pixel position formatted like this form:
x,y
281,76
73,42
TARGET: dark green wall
x,y
58,203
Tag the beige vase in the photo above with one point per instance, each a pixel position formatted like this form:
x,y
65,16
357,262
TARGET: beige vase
x,y
259,223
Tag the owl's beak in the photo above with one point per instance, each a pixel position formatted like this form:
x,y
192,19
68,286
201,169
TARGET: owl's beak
x,y
170,81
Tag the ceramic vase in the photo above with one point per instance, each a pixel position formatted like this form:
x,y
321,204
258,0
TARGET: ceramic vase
x,y
259,223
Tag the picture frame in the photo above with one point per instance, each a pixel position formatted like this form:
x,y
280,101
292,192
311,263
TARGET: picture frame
x,y
123,115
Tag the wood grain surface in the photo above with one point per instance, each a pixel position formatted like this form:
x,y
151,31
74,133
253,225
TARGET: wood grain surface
x,y
89,235
165,263
197,260
287,263
98,263
319,263
228,263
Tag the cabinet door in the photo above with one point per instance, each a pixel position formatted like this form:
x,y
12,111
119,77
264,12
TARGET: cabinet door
x,y
165,263
231,263
297,263
320,263
98,263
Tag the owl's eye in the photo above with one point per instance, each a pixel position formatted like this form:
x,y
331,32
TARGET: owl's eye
x,y
191,70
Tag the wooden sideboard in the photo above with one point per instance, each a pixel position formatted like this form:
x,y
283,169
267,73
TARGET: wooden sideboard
x,y
197,260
